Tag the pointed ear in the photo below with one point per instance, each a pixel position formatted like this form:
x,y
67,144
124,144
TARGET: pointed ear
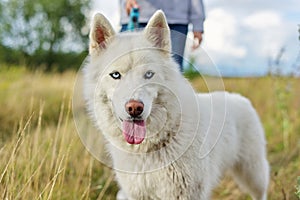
x,y
101,33
158,33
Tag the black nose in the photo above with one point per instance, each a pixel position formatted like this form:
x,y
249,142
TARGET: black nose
x,y
134,108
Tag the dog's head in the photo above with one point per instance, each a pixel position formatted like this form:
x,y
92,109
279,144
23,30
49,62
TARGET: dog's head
x,y
131,81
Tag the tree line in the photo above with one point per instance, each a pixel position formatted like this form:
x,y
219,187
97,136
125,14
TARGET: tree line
x,y
51,35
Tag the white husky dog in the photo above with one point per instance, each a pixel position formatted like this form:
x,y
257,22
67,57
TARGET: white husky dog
x,y
167,142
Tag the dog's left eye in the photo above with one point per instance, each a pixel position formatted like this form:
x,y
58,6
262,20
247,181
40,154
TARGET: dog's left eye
x,y
115,75
149,74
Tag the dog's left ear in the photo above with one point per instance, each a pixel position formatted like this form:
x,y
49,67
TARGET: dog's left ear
x,y
158,33
101,33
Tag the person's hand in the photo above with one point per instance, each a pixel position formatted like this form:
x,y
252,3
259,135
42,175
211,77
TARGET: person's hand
x,y
197,39
131,4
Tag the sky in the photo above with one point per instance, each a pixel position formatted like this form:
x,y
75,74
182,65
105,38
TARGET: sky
x,y
241,37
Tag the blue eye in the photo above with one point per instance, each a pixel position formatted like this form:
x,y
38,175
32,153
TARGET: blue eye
x,y
115,75
149,74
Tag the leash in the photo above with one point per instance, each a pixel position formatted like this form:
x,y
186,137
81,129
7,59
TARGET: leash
x,y
134,19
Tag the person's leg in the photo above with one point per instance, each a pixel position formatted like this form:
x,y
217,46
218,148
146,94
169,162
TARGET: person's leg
x,y
178,39
123,27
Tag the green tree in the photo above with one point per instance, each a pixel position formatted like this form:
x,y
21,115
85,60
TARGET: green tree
x,y
44,28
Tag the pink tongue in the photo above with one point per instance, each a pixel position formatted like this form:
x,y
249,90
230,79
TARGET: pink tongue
x,y
134,131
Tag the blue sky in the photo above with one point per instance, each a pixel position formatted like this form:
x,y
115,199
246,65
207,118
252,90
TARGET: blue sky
x,y
240,36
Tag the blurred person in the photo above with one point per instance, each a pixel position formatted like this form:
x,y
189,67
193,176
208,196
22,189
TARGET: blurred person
x,y
179,13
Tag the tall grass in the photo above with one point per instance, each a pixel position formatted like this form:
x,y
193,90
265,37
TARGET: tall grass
x,y
42,157
297,193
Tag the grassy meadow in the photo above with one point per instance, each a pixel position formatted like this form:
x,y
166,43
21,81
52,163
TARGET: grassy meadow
x,y
42,157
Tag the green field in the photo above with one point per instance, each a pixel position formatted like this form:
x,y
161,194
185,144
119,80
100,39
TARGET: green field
x,y
42,157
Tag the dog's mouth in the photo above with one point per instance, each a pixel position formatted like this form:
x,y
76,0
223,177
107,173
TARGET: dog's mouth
x,y
134,131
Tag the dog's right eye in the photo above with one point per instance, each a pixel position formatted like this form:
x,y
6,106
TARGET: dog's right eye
x,y
115,75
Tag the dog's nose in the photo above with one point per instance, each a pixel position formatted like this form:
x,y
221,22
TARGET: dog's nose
x,y
134,108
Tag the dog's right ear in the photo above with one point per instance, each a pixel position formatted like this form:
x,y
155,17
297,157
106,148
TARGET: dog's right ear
x,y
101,33
158,33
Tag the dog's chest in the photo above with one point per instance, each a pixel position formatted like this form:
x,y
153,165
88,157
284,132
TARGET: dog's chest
x,y
157,185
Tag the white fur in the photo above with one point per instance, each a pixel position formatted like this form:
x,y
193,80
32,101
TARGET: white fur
x,y
191,139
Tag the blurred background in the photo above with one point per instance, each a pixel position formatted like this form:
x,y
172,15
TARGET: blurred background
x,y
249,38
242,38
253,44
51,35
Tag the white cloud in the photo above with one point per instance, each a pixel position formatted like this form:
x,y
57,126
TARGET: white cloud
x,y
110,9
221,34
248,7
266,32
263,20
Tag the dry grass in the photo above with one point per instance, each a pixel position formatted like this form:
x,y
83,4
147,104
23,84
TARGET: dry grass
x,y
41,155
